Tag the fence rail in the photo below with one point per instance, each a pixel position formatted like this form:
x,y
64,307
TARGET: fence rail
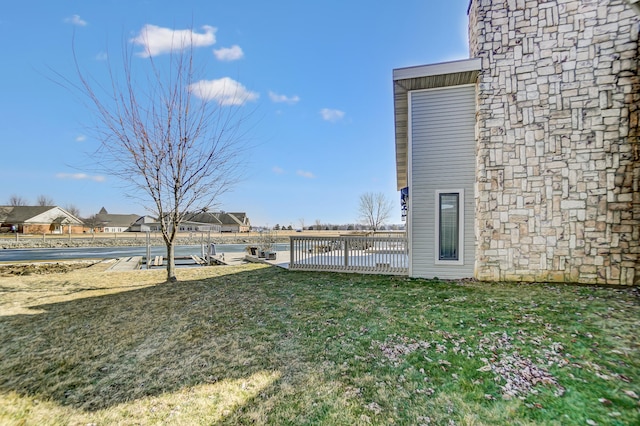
x,y
365,255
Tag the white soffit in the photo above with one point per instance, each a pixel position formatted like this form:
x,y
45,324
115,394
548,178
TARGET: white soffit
x,y
441,68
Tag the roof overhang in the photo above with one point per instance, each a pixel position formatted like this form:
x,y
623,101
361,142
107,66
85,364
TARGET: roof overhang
x,y
431,76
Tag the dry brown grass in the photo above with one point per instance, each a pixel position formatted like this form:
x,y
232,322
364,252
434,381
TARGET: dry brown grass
x,y
93,351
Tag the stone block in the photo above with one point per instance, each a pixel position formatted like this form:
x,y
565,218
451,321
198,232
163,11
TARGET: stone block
x,y
572,204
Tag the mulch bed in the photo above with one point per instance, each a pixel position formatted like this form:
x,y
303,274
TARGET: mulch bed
x,y
40,268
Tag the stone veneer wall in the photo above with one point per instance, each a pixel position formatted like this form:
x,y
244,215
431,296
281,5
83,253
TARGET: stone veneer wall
x,y
558,164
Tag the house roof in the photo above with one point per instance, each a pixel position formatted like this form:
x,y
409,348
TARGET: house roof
x,y
203,217
239,219
21,214
145,219
116,220
36,214
422,77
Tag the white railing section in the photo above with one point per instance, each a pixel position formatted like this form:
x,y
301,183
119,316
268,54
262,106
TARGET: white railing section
x,y
365,255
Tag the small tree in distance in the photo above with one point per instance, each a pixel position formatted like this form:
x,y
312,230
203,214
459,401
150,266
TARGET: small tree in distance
x,y
93,222
44,200
174,148
16,200
71,208
374,210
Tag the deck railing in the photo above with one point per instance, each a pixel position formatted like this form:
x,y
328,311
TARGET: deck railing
x,y
365,255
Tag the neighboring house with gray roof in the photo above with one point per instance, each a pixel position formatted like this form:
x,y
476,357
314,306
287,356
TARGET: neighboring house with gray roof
x,y
39,220
234,222
198,222
211,220
143,224
192,222
108,222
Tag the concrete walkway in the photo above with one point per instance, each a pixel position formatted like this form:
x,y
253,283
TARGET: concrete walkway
x,y
281,260
134,263
126,264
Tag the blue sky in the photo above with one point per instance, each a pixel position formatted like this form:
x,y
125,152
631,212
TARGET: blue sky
x,y
318,76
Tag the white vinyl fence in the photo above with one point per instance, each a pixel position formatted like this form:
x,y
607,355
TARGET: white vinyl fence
x,y
365,255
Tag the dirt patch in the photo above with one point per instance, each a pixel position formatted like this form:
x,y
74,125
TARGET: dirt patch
x,y
18,269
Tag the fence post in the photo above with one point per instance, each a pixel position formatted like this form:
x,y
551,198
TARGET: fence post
x,y
346,252
148,248
291,249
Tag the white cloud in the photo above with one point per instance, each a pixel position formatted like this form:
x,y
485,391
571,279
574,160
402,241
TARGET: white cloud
x,y
80,176
102,56
157,40
232,53
225,91
76,20
305,174
81,138
331,115
277,170
283,98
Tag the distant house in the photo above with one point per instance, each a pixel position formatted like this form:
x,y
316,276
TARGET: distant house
x,y
143,224
522,163
190,226
39,220
108,222
192,222
185,226
210,220
234,222
198,222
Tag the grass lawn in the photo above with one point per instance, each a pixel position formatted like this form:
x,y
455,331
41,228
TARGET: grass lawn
x,y
255,344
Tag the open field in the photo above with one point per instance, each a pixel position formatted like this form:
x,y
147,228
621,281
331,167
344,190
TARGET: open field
x,y
254,344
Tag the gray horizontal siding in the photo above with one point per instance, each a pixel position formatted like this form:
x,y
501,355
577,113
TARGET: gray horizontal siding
x,y
442,143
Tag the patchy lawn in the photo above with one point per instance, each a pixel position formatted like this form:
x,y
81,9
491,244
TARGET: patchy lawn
x,y
255,344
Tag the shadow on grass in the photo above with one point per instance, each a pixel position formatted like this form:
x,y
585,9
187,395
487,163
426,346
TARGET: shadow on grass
x,y
95,353
264,345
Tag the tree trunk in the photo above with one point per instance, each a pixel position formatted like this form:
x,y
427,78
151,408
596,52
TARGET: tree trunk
x,y
171,264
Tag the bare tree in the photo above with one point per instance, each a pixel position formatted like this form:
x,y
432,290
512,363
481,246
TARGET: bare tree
x,y
93,222
374,209
71,208
16,200
44,200
174,147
